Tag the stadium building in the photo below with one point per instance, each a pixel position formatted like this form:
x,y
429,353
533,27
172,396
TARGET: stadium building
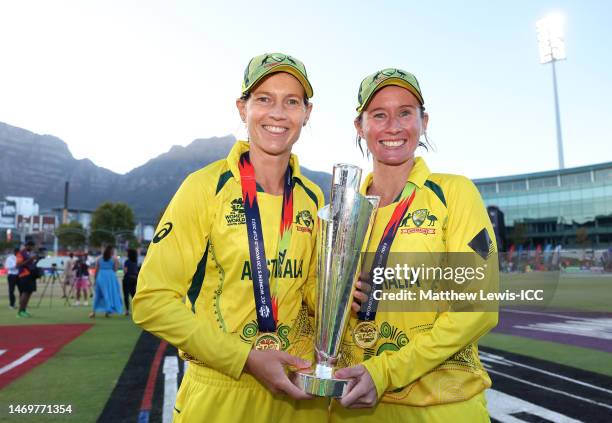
x,y
571,208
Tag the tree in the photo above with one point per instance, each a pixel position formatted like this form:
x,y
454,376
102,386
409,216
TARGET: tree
x,y
112,223
71,235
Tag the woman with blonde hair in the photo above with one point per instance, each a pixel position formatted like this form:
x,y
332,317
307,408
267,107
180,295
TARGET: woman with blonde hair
x,y
419,366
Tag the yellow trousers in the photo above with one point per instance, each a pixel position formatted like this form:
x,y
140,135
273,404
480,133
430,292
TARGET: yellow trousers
x,y
208,396
473,410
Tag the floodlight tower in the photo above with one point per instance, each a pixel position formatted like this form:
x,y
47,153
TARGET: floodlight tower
x,y
551,43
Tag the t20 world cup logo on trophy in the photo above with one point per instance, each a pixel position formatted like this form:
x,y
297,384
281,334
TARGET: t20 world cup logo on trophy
x,y
344,227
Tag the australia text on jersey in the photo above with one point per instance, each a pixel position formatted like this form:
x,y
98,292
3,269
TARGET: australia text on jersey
x,y
289,268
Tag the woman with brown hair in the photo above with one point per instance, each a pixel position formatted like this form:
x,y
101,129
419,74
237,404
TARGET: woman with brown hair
x,y
225,275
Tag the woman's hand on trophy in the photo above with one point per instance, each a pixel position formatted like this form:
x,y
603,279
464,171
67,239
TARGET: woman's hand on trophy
x,y
362,289
268,367
361,390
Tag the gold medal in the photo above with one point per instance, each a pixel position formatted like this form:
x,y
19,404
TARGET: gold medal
x,y
267,341
365,334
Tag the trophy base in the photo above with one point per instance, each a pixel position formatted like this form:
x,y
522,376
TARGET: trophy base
x,y
321,387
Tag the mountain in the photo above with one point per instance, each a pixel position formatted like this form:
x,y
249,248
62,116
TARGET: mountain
x,y
33,165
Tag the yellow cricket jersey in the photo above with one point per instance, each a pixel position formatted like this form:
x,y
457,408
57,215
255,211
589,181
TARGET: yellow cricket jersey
x,y
200,254
427,358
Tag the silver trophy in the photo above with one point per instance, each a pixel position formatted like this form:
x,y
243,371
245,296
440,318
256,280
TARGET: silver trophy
x,y
344,227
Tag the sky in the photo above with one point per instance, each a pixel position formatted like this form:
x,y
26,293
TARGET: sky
x,y
122,81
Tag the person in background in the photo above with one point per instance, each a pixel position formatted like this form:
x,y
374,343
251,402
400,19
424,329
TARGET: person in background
x,y
26,284
130,276
81,280
10,264
107,297
68,273
91,263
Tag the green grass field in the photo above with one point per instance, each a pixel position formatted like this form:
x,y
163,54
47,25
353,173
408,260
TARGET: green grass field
x,y
578,292
581,358
566,292
82,374
85,371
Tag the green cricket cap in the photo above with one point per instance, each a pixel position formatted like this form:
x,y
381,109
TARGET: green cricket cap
x,y
268,63
383,78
